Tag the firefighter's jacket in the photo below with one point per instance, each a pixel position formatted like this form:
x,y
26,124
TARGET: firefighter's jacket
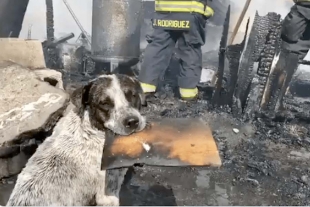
x,y
176,15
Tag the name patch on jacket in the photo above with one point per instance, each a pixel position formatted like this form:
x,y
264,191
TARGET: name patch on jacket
x,y
172,24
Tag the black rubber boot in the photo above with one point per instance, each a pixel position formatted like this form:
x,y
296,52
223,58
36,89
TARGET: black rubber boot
x,y
192,99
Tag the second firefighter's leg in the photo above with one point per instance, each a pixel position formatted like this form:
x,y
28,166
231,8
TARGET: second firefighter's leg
x,y
295,33
288,72
156,59
296,42
191,58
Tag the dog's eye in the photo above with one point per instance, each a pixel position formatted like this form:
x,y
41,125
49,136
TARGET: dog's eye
x,y
129,95
105,106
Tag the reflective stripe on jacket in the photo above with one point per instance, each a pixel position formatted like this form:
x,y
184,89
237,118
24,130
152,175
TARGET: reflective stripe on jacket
x,y
183,6
297,1
188,93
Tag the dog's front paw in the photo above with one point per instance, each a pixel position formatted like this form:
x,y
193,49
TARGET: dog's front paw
x,y
108,201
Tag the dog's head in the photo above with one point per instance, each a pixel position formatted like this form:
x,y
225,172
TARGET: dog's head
x,y
113,102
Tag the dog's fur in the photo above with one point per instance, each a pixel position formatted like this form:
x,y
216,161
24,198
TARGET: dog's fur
x,y
65,169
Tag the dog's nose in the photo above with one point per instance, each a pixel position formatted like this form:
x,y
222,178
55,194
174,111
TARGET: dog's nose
x,y
132,122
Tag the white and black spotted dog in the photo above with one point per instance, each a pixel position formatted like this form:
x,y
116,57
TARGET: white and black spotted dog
x,y
65,169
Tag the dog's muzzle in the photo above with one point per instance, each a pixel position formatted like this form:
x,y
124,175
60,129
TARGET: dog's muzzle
x,y
131,123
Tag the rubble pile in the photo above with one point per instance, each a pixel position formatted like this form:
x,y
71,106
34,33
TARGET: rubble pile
x,y
266,161
265,158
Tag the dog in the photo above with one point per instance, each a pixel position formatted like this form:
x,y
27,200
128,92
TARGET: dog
x,y
66,168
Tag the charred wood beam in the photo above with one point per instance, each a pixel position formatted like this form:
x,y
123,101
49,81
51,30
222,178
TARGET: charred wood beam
x,y
245,70
264,23
264,70
268,70
252,93
234,53
265,52
222,56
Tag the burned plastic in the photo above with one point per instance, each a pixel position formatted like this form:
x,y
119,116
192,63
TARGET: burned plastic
x,y
116,26
169,142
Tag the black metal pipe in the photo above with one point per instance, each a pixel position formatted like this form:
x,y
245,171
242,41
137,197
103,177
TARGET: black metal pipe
x,y
60,40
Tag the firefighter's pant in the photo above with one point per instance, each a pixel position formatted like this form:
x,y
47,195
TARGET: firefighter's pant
x,y
296,32
159,51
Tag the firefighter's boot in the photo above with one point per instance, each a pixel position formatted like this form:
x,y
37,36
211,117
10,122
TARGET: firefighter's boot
x,y
188,94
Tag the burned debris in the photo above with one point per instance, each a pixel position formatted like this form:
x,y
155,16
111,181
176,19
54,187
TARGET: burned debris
x,y
249,80
259,70
252,80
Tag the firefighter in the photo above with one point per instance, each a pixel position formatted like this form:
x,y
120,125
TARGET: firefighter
x,y
295,36
180,22
296,29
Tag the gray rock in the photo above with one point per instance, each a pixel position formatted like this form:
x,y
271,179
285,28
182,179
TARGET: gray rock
x,y
53,77
28,106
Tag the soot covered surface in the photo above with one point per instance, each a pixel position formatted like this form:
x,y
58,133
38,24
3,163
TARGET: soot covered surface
x,y
265,163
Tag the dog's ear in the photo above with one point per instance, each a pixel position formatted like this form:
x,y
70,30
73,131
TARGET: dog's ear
x,y
80,97
85,94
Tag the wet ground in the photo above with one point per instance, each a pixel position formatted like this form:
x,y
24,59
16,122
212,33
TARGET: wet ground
x,y
265,163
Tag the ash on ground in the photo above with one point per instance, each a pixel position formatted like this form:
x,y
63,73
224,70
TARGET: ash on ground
x,y
265,162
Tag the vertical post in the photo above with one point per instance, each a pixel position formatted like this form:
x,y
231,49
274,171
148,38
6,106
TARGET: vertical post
x,y
49,20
